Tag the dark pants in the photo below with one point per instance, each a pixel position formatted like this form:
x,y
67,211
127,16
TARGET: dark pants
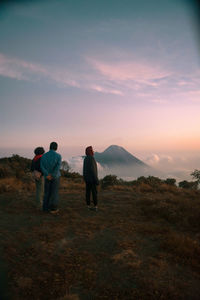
x,y
91,188
50,200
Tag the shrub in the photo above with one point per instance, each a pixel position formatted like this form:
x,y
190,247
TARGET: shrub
x,y
109,180
196,175
15,166
4,172
71,175
19,173
188,184
134,182
145,188
170,181
150,180
65,166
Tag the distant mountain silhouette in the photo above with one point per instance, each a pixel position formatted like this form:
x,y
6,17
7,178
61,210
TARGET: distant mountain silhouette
x,y
118,156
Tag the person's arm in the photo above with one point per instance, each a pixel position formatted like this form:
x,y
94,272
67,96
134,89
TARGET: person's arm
x,y
57,166
94,171
37,165
42,166
84,169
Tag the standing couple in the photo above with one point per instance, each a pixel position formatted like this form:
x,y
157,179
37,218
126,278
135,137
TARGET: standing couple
x,y
48,164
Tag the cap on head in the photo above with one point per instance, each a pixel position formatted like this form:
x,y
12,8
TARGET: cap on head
x,y
53,146
89,151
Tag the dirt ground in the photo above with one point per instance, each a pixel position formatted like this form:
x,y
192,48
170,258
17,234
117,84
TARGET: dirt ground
x,y
137,246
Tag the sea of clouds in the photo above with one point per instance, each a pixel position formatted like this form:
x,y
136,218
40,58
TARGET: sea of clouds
x,y
175,165
164,166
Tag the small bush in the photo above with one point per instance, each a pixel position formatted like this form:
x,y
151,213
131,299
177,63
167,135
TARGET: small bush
x,y
19,173
145,188
65,166
196,175
170,181
4,172
71,175
14,166
109,180
153,182
188,184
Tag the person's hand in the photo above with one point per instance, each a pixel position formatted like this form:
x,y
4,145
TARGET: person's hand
x,y
49,177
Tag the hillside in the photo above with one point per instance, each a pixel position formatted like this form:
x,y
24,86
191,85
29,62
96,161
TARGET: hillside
x,y
14,166
143,243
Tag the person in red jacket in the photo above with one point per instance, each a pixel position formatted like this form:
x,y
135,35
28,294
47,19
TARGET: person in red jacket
x,y
38,175
90,176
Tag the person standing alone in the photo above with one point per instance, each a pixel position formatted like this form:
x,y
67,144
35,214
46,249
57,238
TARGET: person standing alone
x,y
90,176
50,166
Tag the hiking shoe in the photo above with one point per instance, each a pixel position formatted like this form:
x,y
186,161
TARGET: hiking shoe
x,y
55,211
89,207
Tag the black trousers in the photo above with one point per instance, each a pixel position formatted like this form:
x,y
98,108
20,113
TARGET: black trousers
x,y
91,188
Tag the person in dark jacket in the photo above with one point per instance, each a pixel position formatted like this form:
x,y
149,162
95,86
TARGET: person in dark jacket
x,y
38,175
90,176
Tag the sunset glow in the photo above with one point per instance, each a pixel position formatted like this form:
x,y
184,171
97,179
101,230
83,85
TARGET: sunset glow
x,y
92,73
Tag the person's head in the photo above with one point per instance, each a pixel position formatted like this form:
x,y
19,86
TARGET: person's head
x,y
53,146
39,151
89,151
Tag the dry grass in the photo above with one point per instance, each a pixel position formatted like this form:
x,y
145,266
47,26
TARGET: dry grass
x,y
145,188
69,185
141,244
183,248
15,185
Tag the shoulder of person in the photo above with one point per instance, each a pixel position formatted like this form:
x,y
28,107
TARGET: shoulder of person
x,y
44,155
90,158
59,155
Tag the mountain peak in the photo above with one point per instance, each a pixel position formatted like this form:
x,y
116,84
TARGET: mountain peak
x,y
116,155
114,148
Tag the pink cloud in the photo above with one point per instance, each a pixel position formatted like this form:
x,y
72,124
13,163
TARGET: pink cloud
x,y
7,70
106,90
23,70
17,68
129,70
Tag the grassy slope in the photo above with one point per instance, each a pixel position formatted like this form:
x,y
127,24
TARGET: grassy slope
x,y
140,245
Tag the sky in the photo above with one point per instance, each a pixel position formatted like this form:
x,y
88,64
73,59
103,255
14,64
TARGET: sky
x,y
100,73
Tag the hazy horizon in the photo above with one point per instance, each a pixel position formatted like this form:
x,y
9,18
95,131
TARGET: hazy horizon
x,y
178,165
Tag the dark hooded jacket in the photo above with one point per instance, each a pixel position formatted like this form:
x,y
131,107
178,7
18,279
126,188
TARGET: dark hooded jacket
x,y
90,173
